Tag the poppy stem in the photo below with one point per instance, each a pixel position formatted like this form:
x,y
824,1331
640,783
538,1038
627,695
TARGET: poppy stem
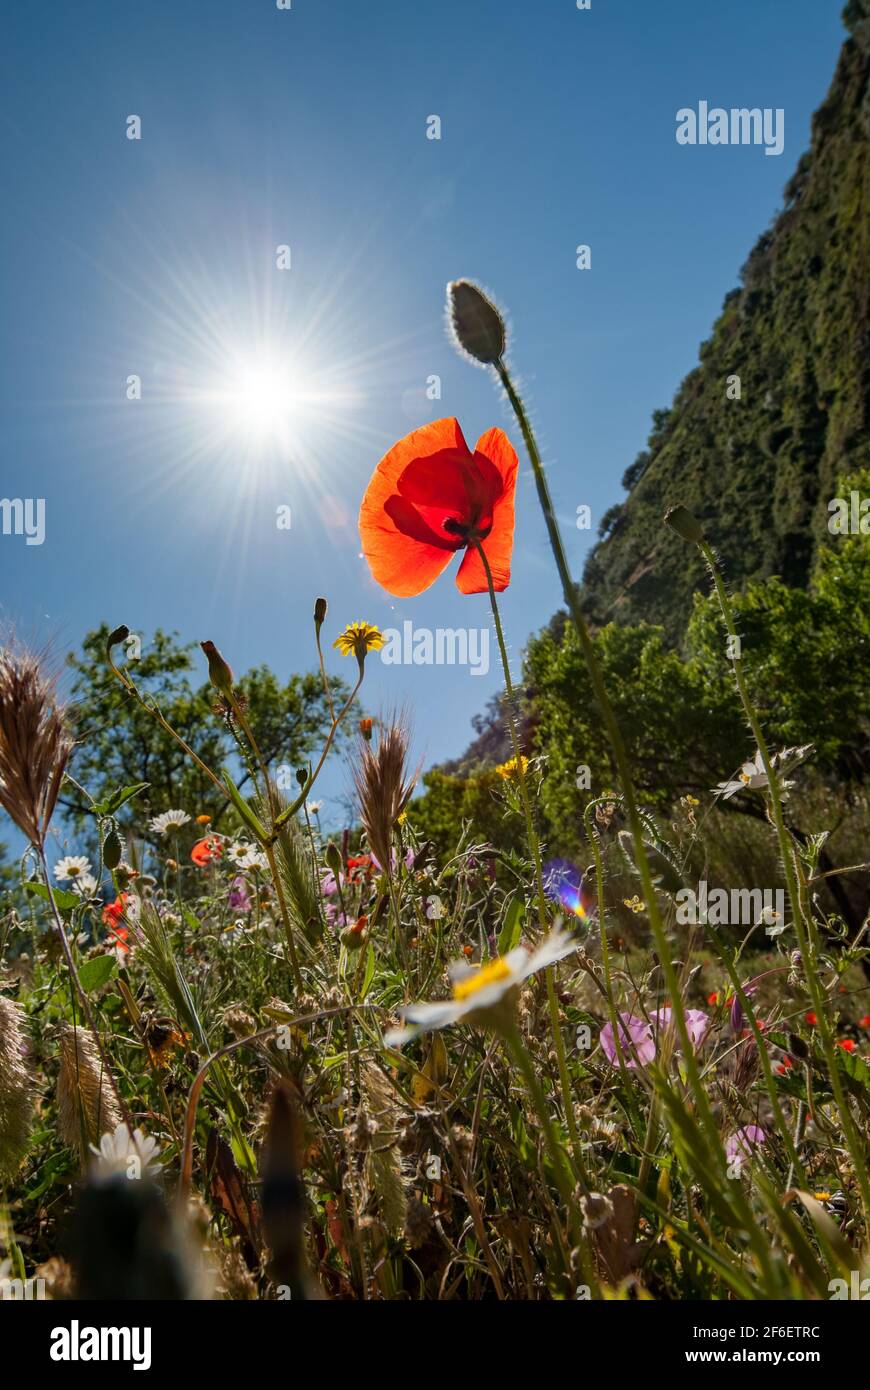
x,y
572,603
535,848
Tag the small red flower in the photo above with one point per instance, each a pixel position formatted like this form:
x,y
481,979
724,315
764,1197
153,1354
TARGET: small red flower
x,y
429,497
120,934
713,998
359,868
113,912
811,1019
864,1022
204,851
847,1044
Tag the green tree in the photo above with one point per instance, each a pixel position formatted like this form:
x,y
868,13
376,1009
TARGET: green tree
x,y
119,743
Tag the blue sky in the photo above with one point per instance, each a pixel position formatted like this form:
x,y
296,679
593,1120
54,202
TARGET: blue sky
x,y
307,128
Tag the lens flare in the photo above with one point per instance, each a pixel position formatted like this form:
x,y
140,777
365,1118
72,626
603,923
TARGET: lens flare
x,y
563,882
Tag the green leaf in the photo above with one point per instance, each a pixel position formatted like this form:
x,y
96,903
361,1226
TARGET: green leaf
x,y
96,972
65,902
509,935
369,971
116,800
244,810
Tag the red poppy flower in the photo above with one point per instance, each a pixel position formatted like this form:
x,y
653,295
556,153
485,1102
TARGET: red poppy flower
x,y
113,912
431,496
204,851
864,1022
811,1019
847,1044
120,934
359,868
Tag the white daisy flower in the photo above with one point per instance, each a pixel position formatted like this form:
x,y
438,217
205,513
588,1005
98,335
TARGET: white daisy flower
x,y
122,1152
234,932
86,885
71,866
752,776
481,993
168,820
313,807
253,858
236,851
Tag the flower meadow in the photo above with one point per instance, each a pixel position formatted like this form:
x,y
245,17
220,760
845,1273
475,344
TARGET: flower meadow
x,y
246,1057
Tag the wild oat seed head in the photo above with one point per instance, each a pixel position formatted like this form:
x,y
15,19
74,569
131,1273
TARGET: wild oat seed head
x,y
17,1090
35,745
384,785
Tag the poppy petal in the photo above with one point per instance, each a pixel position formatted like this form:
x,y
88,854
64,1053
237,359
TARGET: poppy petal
x,y
403,553
496,449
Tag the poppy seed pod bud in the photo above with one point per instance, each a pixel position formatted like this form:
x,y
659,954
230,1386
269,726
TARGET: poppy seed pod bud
x,y
798,1047
219,673
332,855
120,634
302,775
320,610
680,519
113,848
354,936
478,327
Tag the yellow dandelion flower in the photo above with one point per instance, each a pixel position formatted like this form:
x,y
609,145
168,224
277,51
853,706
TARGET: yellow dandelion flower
x,y
358,639
512,767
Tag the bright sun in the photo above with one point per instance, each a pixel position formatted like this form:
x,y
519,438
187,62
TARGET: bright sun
x,y
261,399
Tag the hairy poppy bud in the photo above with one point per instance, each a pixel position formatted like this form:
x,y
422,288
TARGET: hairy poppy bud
x,y
320,610
354,936
680,519
798,1047
120,634
478,327
219,672
302,775
332,855
113,848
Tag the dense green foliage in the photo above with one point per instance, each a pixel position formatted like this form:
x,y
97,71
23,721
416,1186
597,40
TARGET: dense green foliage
x,y
796,333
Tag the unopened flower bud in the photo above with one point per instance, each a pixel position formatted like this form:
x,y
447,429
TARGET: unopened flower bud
x,y
798,1047
354,936
120,634
219,673
320,610
113,848
302,775
478,327
365,728
680,519
332,855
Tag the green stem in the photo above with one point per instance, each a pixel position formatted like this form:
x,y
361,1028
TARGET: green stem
x,y
561,1172
569,592
535,848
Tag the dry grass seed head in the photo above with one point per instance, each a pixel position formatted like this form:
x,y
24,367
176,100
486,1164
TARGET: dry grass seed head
x,y
384,785
35,744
